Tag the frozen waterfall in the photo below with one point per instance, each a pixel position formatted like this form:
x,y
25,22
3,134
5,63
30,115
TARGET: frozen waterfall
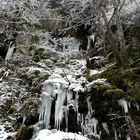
x,y
54,90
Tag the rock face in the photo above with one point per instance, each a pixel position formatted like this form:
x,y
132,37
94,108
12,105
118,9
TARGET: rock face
x,y
47,87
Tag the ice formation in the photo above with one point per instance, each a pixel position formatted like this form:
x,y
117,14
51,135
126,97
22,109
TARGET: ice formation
x,y
123,103
59,109
10,52
45,109
105,127
62,89
90,38
90,126
54,89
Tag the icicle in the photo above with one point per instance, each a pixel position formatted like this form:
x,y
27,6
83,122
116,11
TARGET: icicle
x,y
90,38
129,105
105,128
66,118
76,105
89,105
69,100
128,137
90,126
115,135
95,123
59,111
88,45
45,109
10,51
82,124
137,106
124,105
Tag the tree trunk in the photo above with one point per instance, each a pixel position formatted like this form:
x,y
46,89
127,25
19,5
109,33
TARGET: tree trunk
x,y
120,52
123,51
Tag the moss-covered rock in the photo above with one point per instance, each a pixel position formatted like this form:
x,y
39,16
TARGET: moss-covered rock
x,y
115,93
7,105
35,39
39,55
36,89
24,133
125,80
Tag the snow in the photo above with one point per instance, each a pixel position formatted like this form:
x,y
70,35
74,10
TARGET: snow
x,y
131,7
94,72
32,69
3,134
98,81
76,87
128,8
57,135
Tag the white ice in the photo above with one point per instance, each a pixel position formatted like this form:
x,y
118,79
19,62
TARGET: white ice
x,y
10,52
123,103
105,127
45,109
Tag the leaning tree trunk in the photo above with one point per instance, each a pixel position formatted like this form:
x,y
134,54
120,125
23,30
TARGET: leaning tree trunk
x,y
119,51
123,51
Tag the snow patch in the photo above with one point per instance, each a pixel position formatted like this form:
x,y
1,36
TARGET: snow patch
x,y
3,134
95,82
57,135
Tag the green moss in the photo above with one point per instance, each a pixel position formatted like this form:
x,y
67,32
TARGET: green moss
x,y
39,54
16,62
87,75
126,81
101,87
22,75
7,105
35,39
115,93
135,31
36,89
112,74
127,74
39,51
36,58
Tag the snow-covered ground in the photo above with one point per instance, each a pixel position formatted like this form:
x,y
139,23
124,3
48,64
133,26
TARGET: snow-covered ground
x,y
57,135
3,134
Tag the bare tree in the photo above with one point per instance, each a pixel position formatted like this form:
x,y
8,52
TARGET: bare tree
x,y
100,12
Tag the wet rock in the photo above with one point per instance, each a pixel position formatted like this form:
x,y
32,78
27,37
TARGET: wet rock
x,y
24,133
72,121
31,119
